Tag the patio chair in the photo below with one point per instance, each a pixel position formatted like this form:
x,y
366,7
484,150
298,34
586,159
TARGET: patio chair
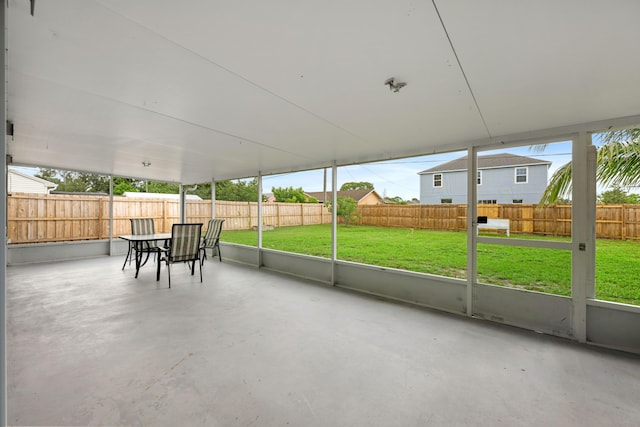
x,y
185,247
141,226
211,240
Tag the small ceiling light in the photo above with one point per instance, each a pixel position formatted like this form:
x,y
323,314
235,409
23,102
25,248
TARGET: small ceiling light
x,y
393,85
146,164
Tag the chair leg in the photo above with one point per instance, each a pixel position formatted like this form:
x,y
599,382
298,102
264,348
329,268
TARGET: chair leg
x,y
219,253
200,272
169,273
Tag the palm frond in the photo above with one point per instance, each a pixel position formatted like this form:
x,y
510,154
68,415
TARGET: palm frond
x,y
628,135
618,164
559,186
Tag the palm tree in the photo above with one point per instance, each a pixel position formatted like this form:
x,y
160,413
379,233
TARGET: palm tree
x,y
618,162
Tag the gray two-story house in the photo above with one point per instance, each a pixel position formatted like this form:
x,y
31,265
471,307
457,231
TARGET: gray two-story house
x,y
502,178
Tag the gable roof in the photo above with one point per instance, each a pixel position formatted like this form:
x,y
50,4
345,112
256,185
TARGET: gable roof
x,y
491,161
44,182
141,195
356,195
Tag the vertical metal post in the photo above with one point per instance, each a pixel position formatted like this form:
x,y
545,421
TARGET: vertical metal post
x,y
110,215
592,164
334,220
259,219
472,213
213,198
3,221
183,204
582,232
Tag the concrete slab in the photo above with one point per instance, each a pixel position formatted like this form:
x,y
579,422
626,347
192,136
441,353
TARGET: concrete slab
x,y
90,345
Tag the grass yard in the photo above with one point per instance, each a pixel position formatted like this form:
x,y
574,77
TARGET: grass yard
x,y
445,253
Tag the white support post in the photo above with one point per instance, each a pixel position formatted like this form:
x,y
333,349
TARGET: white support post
x,y
213,198
110,215
472,223
183,204
3,221
259,219
334,220
582,232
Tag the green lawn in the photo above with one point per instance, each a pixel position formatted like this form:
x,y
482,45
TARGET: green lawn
x,y
445,253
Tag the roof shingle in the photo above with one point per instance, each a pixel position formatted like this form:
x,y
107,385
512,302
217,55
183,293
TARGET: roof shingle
x,y
487,162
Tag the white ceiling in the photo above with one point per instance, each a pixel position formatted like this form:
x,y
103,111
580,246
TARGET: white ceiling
x,y
207,89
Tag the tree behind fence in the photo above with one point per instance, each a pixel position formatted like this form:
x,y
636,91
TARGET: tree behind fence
x,y
35,218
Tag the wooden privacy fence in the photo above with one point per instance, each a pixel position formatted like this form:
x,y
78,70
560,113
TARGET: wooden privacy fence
x,y
35,218
612,221
39,218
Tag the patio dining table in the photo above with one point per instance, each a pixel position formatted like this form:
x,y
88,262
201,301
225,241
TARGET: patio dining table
x,y
139,240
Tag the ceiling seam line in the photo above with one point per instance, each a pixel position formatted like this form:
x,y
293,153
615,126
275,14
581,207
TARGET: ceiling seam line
x,y
239,76
138,107
464,75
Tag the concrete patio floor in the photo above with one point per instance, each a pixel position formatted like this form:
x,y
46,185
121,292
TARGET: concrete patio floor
x,y
90,345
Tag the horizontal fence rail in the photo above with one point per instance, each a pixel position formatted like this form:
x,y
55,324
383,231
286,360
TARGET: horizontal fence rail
x,y
39,218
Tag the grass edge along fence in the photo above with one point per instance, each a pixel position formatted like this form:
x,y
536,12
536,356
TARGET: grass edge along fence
x,y
39,218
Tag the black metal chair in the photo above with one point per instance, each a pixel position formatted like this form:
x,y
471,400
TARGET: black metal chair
x,y
141,226
211,239
185,247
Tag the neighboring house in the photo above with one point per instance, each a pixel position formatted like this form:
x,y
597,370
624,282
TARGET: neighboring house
x,y
159,196
362,197
502,178
20,182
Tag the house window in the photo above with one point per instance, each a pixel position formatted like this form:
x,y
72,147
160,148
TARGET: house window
x,y
479,177
437,180
521,175
446,201
517,200
487,202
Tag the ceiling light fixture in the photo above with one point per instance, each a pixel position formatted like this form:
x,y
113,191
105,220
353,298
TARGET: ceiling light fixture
x,y
146,164
393,85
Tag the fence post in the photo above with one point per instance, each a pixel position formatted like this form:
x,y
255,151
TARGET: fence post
x,y
164,216
387,209
624,222
100,217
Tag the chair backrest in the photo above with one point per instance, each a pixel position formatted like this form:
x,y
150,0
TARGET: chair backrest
x,y
142,226
213,232
185,242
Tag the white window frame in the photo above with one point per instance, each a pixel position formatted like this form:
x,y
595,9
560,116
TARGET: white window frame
x,y
526,175
517,201
450,201
441,180
479,179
